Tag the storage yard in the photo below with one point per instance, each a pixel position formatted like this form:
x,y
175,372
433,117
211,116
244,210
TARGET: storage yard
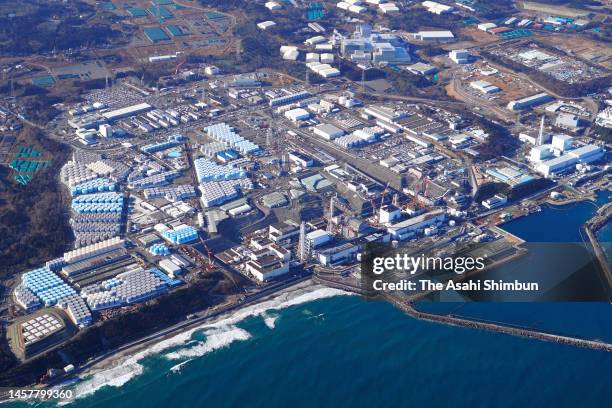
x,y
249,180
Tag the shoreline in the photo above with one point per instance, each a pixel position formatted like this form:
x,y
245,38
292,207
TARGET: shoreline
x,y
115,358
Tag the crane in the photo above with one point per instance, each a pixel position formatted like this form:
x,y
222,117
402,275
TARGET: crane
x,y
176,69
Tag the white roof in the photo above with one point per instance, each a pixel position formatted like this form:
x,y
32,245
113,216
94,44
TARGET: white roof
x,y
317,234
437,33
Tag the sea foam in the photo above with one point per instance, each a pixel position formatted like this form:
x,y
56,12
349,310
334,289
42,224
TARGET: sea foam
x,y
219,334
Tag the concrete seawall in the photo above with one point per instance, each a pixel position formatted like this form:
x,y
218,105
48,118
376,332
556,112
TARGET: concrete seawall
x,y
408,308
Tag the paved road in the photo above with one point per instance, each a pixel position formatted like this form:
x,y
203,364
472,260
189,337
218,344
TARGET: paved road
x,y
186,324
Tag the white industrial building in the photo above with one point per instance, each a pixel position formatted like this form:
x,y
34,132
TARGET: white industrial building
x,y
529,101
300,159
106,130
269,262
540,153
437,8
386,114
324,70
126,112
264,25
317,238
368,46
486,26
297,114
584,155
312,57
437,35
408,228
604,118
562,142
338,255
170,267
326,58
459,56
421,68
568,121
272,5
484,87
211,70
289,52
315,40
388,8
161,58
328,131
496,201
388,214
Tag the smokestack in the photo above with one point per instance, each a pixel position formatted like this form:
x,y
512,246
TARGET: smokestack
x,y
540,141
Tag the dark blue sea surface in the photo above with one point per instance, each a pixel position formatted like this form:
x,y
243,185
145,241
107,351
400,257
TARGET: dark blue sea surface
x,y
345,351
554,224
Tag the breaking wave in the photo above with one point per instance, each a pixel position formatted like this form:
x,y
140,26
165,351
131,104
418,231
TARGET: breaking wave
x,y
218,334
178,367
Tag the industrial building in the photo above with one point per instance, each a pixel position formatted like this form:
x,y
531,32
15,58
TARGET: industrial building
x,y
529,101
324,70
459,56
283,232
317,238
410,227
269,262
486,26
584,155
388,214
388,8
437,8
291,97
498,200
484,87
383,113
421,68
272,5
562,142
127,112
297,114
301,159
436,35
264,25
368,46
328,131
338,255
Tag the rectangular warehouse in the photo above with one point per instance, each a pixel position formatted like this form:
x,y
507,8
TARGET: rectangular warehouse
x,y
126,112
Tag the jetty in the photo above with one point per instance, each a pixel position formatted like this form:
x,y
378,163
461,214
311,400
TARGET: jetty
x,y
405,304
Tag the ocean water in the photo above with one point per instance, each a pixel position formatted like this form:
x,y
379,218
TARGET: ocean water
x,y
327,348
554,224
